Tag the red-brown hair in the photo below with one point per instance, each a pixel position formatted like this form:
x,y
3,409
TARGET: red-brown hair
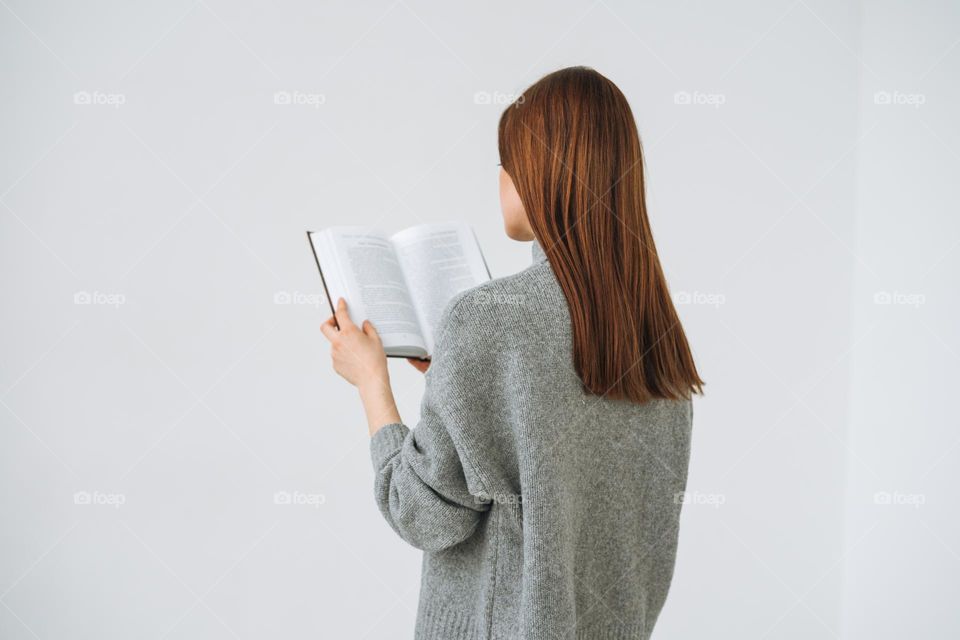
x,y
571,146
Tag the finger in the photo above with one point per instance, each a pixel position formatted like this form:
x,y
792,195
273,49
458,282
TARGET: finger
x,y
343,316
419,365
370,330
329,329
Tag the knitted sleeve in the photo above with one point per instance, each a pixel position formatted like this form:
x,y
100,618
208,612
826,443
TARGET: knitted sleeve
x,y
426,484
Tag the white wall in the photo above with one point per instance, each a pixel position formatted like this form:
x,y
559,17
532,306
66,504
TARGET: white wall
x,y
902,553
200,397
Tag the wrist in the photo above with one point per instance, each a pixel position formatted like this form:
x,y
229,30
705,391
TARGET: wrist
x,y
374,385
379,404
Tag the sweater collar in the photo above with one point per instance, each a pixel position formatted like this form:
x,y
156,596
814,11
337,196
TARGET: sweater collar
x,y
537,251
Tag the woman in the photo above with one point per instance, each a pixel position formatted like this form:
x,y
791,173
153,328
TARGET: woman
x,y
544,479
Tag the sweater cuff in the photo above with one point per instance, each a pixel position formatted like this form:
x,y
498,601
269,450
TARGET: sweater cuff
x,y
386,442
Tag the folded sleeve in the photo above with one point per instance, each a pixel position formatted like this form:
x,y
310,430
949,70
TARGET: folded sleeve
x,y
428,485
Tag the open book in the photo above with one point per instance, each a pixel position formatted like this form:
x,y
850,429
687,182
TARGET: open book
x,y
400,283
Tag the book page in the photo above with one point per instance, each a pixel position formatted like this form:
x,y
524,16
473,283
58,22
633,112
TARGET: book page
x,y
439,261
361,265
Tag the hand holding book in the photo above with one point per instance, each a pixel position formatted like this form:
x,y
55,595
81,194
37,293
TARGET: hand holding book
x,y
358,358
401,283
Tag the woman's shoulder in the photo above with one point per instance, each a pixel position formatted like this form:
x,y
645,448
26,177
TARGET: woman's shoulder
x,y
525,292
490,310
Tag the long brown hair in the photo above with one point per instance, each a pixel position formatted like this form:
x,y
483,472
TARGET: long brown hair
x,y
571,146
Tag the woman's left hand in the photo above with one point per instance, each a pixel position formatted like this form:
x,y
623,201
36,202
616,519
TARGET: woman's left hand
x,y
357,352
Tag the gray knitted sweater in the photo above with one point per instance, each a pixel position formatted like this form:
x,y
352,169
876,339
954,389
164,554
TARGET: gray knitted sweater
x,y
543,512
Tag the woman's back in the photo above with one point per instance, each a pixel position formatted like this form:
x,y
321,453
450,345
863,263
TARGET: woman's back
x,y
556,513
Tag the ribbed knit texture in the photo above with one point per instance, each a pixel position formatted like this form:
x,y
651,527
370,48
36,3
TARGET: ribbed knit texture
x,y
543,512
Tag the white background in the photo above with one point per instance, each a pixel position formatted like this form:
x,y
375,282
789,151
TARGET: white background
x,y
195,385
